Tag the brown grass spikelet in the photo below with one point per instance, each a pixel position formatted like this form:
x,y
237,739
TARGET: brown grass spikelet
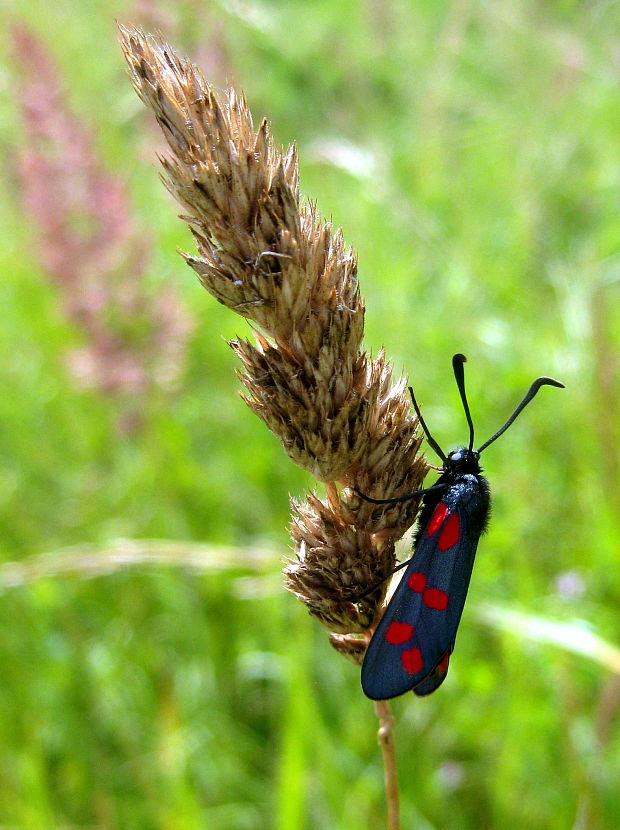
x,y
337,411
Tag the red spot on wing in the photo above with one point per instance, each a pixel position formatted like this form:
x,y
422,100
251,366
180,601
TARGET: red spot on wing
x,y
450,532
412,660
442,668
398,632
435,598
441,511
417,581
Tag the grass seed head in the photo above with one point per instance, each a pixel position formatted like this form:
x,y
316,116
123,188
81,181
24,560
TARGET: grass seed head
x,y
337,411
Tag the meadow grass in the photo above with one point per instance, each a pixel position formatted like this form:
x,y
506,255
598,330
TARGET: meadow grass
x,y
470,151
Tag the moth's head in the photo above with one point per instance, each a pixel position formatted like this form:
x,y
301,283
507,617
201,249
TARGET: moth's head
x,y
463,460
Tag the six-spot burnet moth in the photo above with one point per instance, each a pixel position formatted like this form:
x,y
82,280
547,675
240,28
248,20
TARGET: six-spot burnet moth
x,y
411,646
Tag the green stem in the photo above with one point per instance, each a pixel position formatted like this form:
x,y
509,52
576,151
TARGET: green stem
x,y
385,736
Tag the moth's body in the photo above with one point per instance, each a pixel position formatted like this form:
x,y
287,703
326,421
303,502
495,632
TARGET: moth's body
x,y
412,644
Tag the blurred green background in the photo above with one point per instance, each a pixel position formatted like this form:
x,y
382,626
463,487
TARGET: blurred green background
x,y
471,152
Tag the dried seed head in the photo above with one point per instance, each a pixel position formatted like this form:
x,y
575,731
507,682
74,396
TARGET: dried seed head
x,y
337,411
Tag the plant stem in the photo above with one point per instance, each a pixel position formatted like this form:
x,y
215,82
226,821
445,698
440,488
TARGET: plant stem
x,y
385,736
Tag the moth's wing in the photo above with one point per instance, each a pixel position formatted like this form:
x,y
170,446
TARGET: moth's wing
x,y
434,680
413,641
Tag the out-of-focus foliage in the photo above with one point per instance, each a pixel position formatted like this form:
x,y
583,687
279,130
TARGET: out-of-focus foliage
x,y
471,152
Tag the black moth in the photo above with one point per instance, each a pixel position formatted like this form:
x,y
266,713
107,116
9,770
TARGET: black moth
x,y
412,644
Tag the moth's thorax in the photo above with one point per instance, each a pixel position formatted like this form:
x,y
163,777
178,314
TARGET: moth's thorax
x,y
462,460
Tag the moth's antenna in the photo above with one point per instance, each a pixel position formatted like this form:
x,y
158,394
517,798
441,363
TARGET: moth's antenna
x,y
397,499
459,375
544,381
429,437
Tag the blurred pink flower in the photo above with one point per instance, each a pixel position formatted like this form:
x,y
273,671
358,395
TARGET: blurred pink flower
x,y
88,242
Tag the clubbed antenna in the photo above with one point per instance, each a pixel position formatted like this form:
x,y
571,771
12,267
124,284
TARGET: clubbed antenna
x,y
459,374
544,381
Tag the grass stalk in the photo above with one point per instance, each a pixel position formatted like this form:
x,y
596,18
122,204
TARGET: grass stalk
x,y
337,410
